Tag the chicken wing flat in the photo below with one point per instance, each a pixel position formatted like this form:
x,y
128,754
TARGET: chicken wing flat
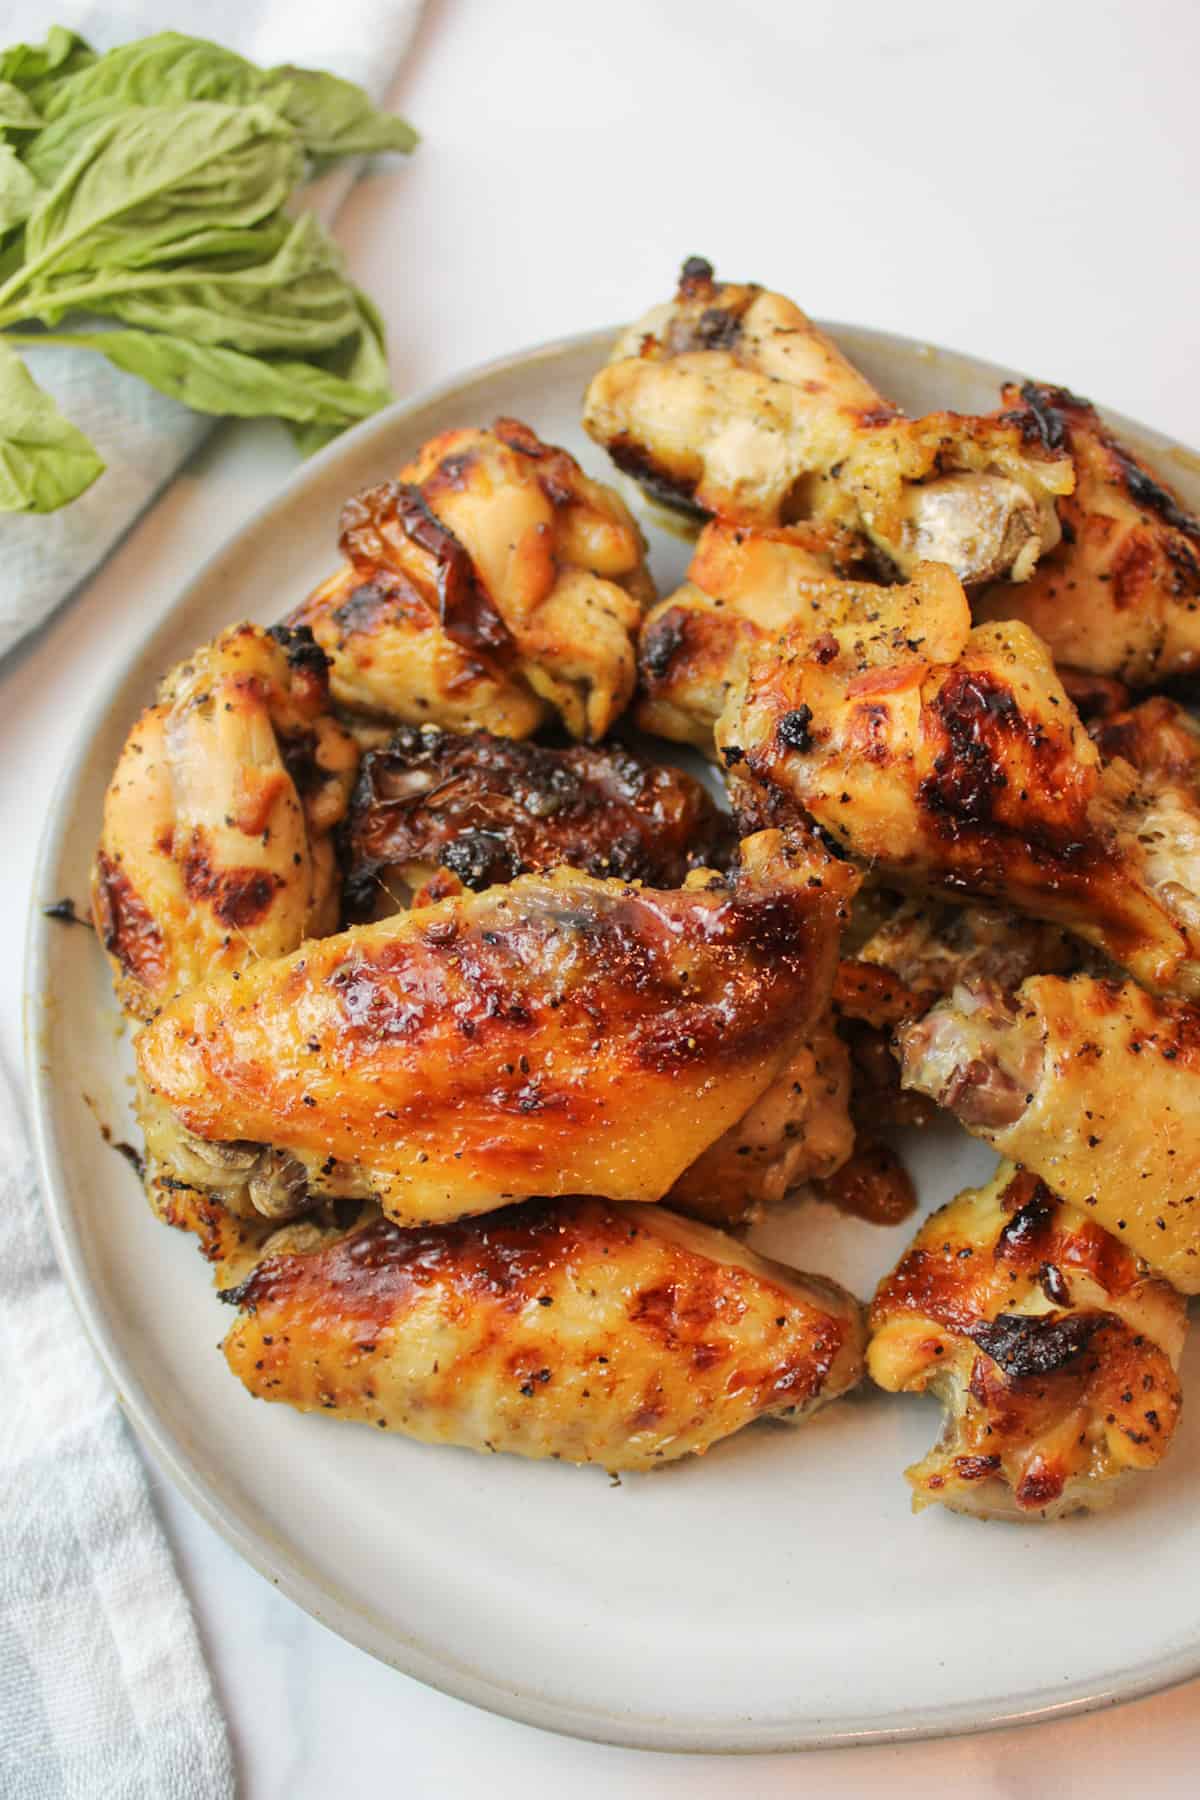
x,y
577,1329
742,588
1160,743
798,1130
559,1034
1120,596
730,400
493,585
1093,1084
951,759
490,809
1050,1345
217,842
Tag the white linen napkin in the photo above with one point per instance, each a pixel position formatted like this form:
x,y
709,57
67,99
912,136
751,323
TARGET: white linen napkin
x,y
103,1687
143,436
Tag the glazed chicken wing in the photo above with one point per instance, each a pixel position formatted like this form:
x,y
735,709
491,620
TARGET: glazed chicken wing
x,y
742,588
493,585
952,759
217,842
489,809
576,1329
556,1035
1120,596
1052,1348
730,400
1093,1084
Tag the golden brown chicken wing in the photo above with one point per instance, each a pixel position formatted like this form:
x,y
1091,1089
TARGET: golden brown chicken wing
x,y
952,759
491,586
217,842
1120,596
742,588
1050,1345
1093,1084
490,809
579,1330
730,400
559,1034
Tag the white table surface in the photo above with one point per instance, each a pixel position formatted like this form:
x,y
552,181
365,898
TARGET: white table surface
x,y
1012,182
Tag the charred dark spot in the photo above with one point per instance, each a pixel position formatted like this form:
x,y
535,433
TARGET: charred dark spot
x,y
376,600
792,730
1025,1345
717,329
558,472
1041,419
697,272
670,489
661,643
1145,491
976,1468
481,859
301,648
976,713
1025,1236
732,754
126,925
238,897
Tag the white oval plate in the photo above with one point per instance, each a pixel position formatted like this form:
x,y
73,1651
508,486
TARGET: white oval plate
x,y
774,1595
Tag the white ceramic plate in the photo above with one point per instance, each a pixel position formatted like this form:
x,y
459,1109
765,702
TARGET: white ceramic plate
x,y
775,1594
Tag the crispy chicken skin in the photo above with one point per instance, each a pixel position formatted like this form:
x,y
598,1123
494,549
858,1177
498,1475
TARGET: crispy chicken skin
x,y
1120,596
1050,1345
950,758
798,1130
493,585
742,588
1160,743
217,842
1093,1084
490,809
556,1035
578,1329
728,399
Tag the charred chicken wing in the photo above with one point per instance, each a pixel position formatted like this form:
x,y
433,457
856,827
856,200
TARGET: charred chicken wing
x,y
556,1035
490,809
575,1329
1050,1345
730,400
1120,596
952,759
1093,1084
217,843
492,585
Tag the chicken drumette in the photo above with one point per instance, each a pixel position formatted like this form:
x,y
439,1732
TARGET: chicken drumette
x,y
728,399
576,1329
1051,1346
491,585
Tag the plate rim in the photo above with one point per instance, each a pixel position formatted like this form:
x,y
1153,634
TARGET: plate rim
x,y
276,1562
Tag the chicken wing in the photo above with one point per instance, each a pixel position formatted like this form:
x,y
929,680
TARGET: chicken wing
x,y
490,809
730,400
555,1035
217,843
491,586
742,588
578,1329
1052,1348
1093,1084
952,759
798,1130
1120,596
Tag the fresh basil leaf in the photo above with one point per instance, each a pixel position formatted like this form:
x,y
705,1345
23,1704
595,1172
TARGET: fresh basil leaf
x,y
212,379
38,68
45,461
19,191
362,360
58,143
334,117
149,180
17,111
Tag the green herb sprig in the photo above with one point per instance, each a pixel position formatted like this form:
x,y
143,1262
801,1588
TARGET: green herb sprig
x,y
143,215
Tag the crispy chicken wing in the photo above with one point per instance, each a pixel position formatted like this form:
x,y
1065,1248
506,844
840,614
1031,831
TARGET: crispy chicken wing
x,y
1093,1084
742,588
1050,1345
1120,596
577,1329
933,945
490,809
731,400
559,1034
952,759
492,585
217,843
798,1130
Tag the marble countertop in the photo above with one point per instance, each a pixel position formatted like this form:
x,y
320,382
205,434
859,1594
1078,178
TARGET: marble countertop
x,y
1012,183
